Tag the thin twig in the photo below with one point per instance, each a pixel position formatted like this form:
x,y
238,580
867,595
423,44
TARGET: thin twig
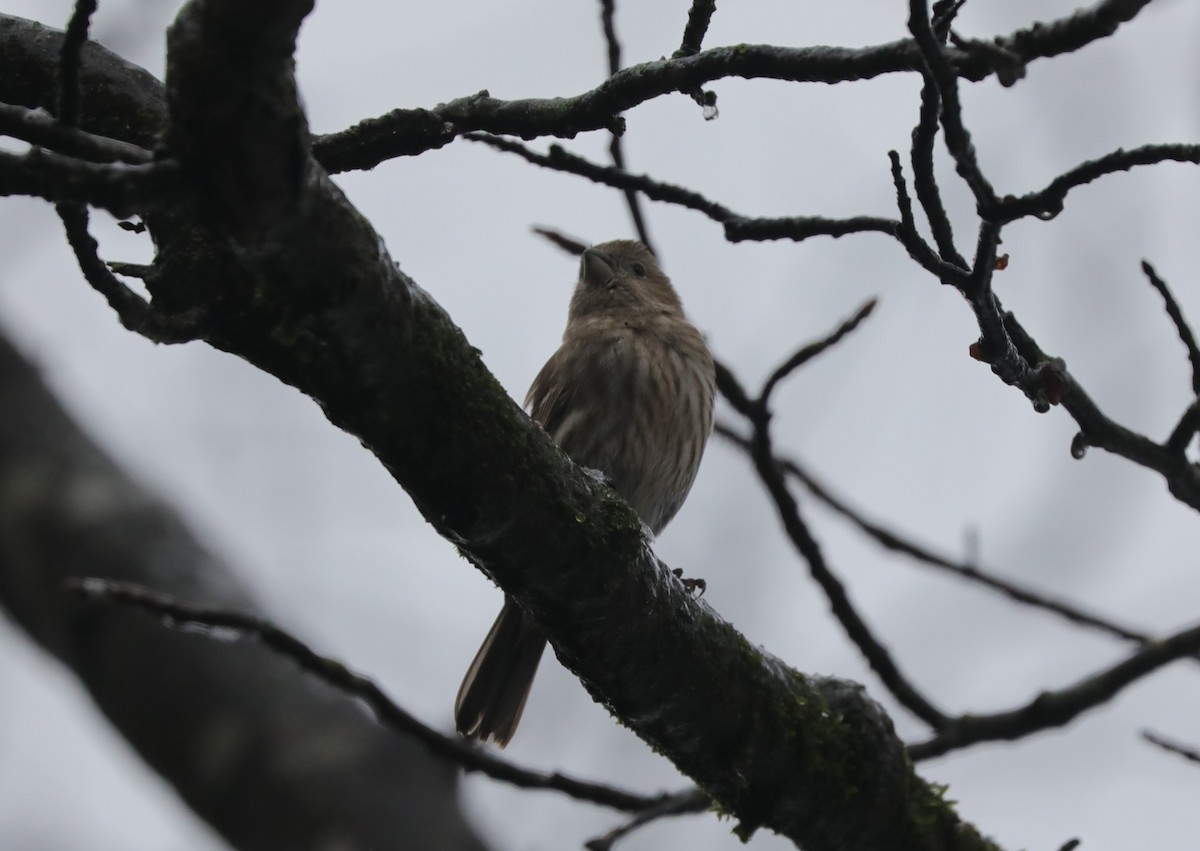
x,y
70,56
772,476
608,9
924,179
944,13
995,347
945,77
811,350
219,623
1188,753
1181,476
898,543
681,803
1058,708
948,272
569,244
135,312
411,131
1181,324
737,227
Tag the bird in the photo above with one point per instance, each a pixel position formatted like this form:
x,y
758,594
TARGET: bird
x,y
629,393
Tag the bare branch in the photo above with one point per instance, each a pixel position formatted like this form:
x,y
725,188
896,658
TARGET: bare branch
x,y
379,353
699,17
896,542
1097,429
1066,35
1187,427
948,272
70,55
165,690
681,803
135,312
924,180
37,128
737,227
1188,753
943,75
811,350
1048,202
608,10
569,244
116,187
407,132
1057,708
944,13
1177,318
218,623
762,453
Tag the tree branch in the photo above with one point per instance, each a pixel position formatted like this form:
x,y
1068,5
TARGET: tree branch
x,y
308,294
682,803
608,10
135,313
737,226
897,542
217,623
69,512
762,453
301,287
1097,429
116,187
1177,319
70,57
406,132
1190,754
36,127
1048,202
699,17
1056,708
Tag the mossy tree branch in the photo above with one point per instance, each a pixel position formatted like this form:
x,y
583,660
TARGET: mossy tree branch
x,y
295,281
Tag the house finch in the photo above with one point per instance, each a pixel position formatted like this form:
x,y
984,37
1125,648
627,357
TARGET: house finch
x,y
629,393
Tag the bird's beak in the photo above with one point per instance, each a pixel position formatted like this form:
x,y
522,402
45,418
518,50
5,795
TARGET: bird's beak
x,y
596,267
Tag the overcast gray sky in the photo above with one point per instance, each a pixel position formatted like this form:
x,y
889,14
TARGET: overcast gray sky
x,y
898,418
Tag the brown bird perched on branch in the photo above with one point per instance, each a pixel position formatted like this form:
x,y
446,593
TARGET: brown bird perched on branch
x,y
629,393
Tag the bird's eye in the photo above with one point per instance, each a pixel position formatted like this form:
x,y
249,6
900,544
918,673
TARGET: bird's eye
x,y
639,270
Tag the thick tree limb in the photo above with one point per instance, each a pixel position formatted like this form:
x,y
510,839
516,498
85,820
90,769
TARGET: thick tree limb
x,y
69,512
388,365
298,284
301,287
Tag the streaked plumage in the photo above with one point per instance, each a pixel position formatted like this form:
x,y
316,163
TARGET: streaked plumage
x,y
630,393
